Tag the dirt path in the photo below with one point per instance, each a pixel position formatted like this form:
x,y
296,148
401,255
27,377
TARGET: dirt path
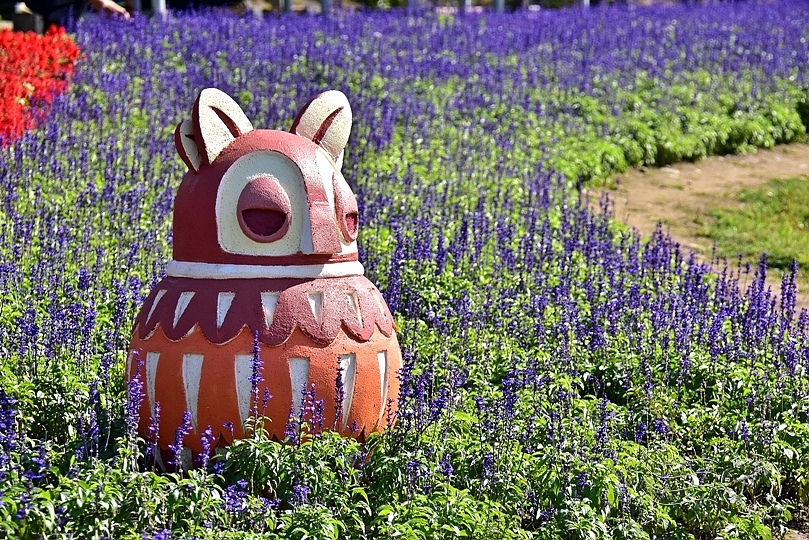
x,y
681,195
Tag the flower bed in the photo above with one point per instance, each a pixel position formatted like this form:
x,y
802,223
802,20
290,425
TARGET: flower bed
x,y
33,70
564,378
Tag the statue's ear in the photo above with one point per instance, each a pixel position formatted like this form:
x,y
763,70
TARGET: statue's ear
x,y
216,121
186,145
326,121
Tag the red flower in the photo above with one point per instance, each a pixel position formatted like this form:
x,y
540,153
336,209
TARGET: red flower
x,y
33,70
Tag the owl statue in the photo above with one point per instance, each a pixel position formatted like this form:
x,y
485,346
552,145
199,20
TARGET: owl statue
x,y
264,306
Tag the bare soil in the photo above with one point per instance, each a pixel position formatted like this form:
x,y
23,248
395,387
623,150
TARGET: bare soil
x,y
799,525
682,195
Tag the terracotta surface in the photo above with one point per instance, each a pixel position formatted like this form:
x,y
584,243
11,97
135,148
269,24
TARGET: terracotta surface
x,y
222,391
274,308
265,256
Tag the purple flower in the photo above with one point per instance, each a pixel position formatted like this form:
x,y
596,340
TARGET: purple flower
x,y
24,506
661,427
445,465
235,498
9,441
153,434
300,493
176,448
37,465
546,514
84,280
265,399
255,377
134,398
207,441
582,482
640,432
162,534
292,430
487,470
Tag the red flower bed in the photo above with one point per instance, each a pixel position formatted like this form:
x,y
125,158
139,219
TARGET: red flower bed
x,y
33,70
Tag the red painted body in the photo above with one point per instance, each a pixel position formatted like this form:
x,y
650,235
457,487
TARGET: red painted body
x,y
256,205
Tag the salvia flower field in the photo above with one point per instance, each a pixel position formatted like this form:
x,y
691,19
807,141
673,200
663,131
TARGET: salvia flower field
x,y
563,377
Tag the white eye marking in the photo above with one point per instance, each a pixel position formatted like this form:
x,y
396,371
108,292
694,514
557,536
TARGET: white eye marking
x,y
263,163
355,303
157,298
129,374
223,302
299,377
192,372
269,301
348,374
380,302
316,304
244,370
182,303
151,376
382,360
326,167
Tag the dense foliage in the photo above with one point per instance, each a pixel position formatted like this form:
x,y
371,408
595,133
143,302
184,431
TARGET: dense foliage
x,y
564,377
33,69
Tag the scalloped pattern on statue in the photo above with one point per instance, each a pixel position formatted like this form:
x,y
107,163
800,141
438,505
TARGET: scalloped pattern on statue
x,y
222,308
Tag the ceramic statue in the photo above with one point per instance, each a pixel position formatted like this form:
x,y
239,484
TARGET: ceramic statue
x,y
265,252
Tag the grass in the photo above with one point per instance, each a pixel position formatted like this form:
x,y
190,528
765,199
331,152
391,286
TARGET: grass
x,y
772,219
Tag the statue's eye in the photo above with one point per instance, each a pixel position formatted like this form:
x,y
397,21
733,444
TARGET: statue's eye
x,y
350,226
346,207
264,210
